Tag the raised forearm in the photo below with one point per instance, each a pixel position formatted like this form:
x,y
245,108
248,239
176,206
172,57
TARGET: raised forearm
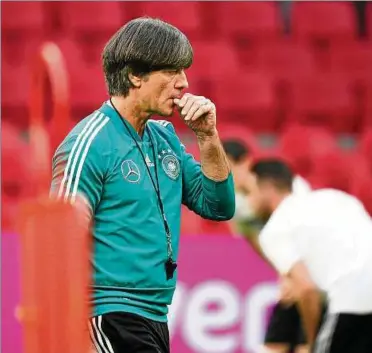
x,y
213,159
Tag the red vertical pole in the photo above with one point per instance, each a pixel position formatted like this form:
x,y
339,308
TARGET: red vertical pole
x,y
55,245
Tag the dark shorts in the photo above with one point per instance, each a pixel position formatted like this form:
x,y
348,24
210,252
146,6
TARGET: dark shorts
x,y
128,333
285,326
345,333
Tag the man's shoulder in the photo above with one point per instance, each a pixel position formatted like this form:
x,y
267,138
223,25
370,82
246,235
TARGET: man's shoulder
x,y
87,133
164,129
282,218
161,125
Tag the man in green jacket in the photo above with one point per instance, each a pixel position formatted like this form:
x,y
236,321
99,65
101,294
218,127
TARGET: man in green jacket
x,y
134,174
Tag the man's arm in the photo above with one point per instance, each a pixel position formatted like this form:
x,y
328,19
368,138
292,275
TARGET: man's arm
x,y
210,199
308,298
207,189
214,163
277,244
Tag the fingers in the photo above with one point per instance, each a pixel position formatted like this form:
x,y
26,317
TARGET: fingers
x,y
203,109
181,102
192,107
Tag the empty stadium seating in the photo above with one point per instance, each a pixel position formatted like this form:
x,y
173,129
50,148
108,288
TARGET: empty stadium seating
x,y
248,97
303,145
249,21
361,188
205,73
369,20
187,19
365,146
248,25
325,100
324,22
262,80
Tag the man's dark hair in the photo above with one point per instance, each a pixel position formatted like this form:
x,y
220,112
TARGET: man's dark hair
x,y
275,171
141,46
235,149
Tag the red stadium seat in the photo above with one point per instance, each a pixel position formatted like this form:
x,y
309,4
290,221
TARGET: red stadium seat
x,y
324,22
14,174
325,100
23,27
130,10
185,16
339,170
247,97
286,59
15,91
14,161
87,84
91,24
22,16
331,170
369,20
249,21
367,106
354,59
365,146
212,61
240,132
248,25
93,17
362,189
301,145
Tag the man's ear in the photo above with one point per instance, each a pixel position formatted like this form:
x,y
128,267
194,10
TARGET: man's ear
x,y
135,80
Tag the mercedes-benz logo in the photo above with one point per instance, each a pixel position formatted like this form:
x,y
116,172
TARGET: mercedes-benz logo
x,y
130,171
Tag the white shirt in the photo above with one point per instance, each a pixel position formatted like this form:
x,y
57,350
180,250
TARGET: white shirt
x,y
300,185
243,209
331,232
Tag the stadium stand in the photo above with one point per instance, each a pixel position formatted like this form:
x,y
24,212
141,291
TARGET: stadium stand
x,y
326,22
324,100
305,88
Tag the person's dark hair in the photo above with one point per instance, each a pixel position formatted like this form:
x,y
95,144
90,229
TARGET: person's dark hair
x,y
275,171
235,149
141,46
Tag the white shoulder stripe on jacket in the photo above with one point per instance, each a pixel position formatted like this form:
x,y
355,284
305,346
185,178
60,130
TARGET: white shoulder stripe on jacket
x,y
160,122
78,155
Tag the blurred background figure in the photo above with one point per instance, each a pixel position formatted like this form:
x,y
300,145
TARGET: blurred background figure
x,y
284,332
321,242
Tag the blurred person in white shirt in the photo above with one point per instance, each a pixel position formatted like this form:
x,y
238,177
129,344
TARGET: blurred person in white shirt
x,y
321,242
284,332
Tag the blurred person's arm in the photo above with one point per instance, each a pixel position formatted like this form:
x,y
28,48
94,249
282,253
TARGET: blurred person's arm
x,y
279,248
308,298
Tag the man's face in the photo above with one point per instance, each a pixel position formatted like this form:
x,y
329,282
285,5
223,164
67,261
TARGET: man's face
x,y
240,171
260,197
159,89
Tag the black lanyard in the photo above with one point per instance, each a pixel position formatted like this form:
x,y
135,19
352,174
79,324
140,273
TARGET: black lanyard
x,y
170,265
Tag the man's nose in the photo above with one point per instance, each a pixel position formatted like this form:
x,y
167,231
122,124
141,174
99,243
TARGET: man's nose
x,y
182,82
